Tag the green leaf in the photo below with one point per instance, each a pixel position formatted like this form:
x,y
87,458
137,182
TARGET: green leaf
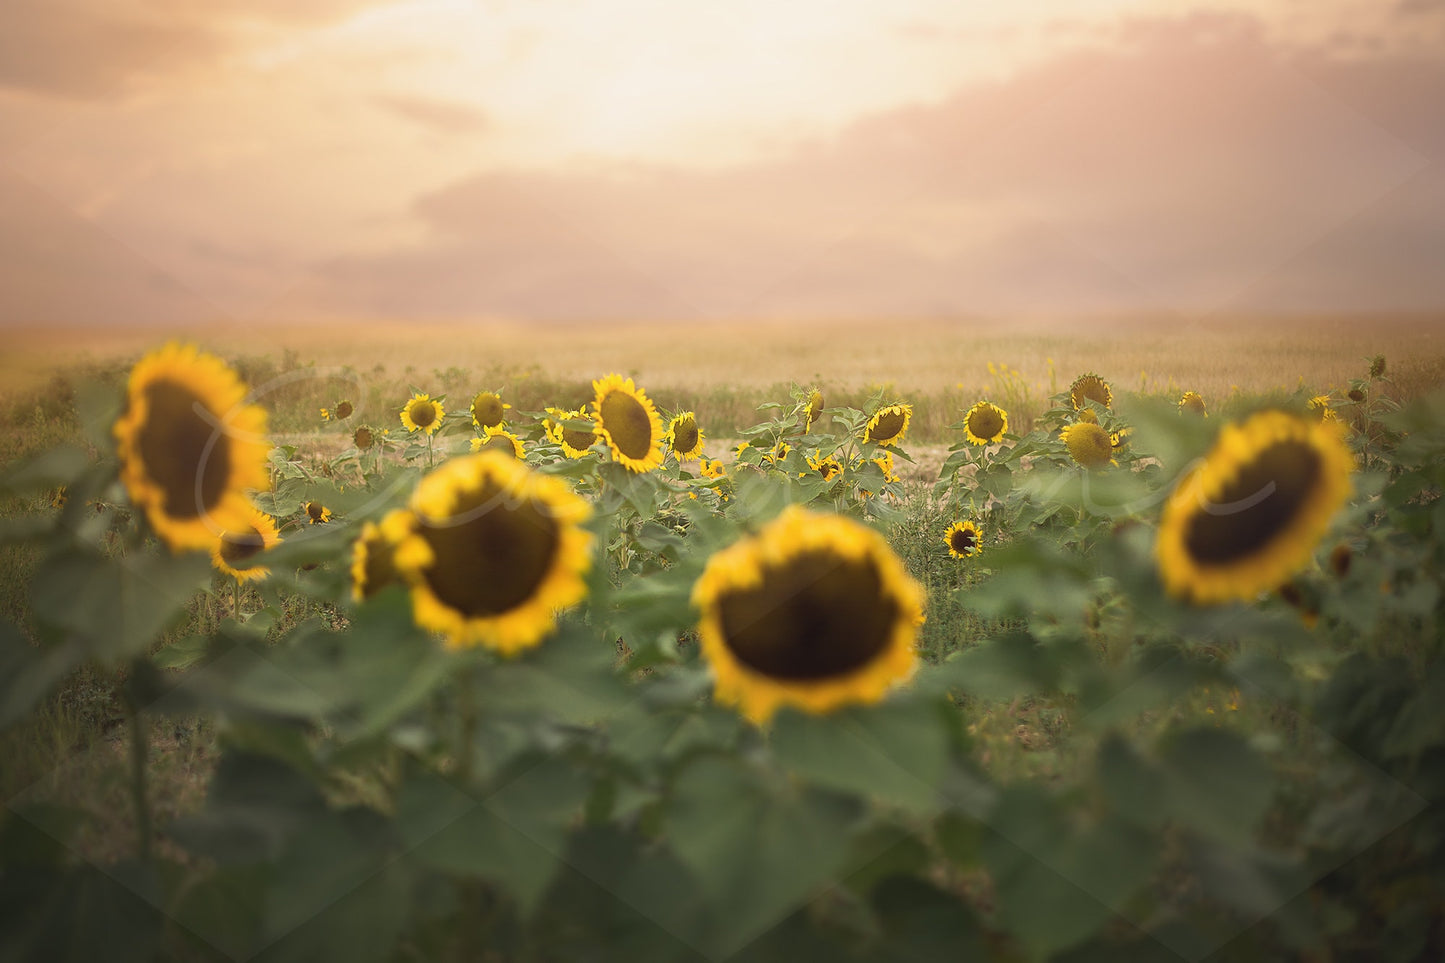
x,y
52,468
1217,784
1002,668
758,848
28,674
895,752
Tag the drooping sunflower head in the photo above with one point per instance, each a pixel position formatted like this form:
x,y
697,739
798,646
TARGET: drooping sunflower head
x,y
1090,387
373,561
317,513
985,423
1319,408
499,440
962,539
190,447
1356,395
628,421
1377,366
495,551
233,551
363,438
1192,403
684,437
1089,444
488,409
885,462
888,426
814,611
422,413
1248,517
813,409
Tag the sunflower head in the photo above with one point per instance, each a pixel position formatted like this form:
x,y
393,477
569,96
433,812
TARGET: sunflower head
x,y
888,426
495,550
813,409
499,440
628,421
1356,395
814,611
373,562
488,409
962,539
317,513
985,423
1090,387
233,550
1247,517
684,437
363,438
1119,439
1192,403
1089,444
825,466
1340,558
885,462
575,442
190,447
1087,414
422,413
712,468
1377,366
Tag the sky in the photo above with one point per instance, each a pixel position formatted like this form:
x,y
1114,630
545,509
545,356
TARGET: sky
x,y
591,160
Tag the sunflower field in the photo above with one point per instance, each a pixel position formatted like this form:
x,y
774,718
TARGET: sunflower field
x,y
1145,681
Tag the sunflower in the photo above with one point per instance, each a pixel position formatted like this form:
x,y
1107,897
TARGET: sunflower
x,y
1193,403
813,409
1249,516
1356,395
488,409
317,513
422,413
190,447
825,466
889,425
1377,366
373,565
885,462
363,438
628,422
712,468
499,439
1090,387
985,423
341,411
1087,414
496,550
962,539
1319,408
233,548
1089,444
814,611
575,442
684,437
1120,438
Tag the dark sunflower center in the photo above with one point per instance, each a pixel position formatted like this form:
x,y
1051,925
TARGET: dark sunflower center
x,y
380,572
887,427
239,546
579,440
829,469
343,410
684,436
1257,506
499,443
813,618
362,439
173,446
985,423
627,422
963,541
423,413
492,554
315,510
488,409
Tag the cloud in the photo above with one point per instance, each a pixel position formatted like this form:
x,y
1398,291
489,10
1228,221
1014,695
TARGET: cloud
x,y
97,48
1191,167
438,116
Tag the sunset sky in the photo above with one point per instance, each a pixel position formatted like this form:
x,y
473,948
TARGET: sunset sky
x,y
166,161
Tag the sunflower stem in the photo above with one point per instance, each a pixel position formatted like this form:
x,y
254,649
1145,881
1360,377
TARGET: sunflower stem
x,y
139,759
430,460
236,599
471,894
